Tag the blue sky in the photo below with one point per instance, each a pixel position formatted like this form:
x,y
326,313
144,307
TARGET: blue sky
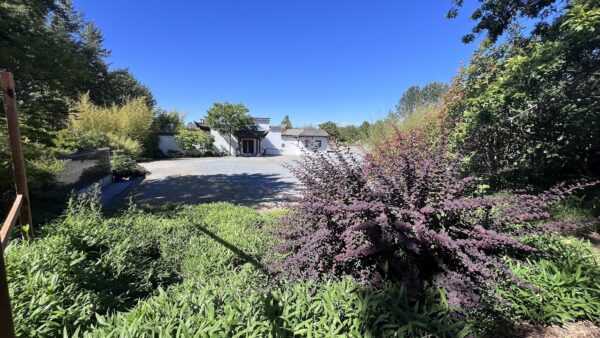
x,y
315,60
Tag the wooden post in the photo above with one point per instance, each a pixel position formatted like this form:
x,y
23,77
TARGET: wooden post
x,y
14,134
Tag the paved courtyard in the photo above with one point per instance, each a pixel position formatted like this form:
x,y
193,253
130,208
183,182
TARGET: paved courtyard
x,y
254,181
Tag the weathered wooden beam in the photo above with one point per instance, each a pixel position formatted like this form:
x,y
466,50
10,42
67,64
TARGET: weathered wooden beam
x,y
10,221
14,134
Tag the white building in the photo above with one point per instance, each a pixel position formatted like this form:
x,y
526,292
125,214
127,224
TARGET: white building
x,y
264,139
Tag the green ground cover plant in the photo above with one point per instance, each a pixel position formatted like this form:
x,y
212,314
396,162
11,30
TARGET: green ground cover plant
x,y
207,271
194,271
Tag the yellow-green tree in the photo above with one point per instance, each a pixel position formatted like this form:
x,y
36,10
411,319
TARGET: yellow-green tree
x,y
132,120
126,126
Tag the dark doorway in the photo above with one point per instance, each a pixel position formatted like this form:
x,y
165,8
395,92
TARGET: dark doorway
x,y
247,146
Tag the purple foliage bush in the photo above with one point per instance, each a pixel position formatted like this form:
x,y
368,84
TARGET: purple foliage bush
x,y
406,212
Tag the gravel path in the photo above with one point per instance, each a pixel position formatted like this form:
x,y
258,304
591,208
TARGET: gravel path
x,y
260,182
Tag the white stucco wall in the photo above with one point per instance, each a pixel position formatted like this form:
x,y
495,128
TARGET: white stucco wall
x,y
263,126
221,144
297,146
272,143
290,146
166,143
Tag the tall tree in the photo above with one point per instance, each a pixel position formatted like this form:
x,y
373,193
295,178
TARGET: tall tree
x,y
194,140
56,56
529,107
331,128
432,93
228,118
494,17
286,122
123,86
364,130
168,121
409,101
416,97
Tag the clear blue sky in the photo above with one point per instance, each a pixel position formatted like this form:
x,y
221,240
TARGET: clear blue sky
x,y
315,60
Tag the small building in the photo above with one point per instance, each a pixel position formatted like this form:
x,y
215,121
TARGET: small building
x,y
298,140
263,139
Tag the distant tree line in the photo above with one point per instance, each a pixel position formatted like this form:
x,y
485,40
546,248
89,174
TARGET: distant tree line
x,y
416,97
349,134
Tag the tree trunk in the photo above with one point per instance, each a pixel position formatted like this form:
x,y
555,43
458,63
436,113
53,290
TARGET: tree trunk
x,y
229,143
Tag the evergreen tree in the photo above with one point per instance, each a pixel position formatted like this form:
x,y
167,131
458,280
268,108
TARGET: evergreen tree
x,y
286,122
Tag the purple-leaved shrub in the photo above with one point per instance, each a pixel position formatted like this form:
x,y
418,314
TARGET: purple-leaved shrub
x,y
406,212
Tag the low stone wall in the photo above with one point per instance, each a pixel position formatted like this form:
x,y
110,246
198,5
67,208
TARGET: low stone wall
x,y
84,169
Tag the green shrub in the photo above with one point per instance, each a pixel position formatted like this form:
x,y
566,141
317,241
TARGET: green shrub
x,y
41,167
125,145
193,141
131,120
125,166
527,107
562,288
72,140
87,264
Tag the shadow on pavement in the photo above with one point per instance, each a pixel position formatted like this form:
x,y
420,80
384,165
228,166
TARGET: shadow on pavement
x,y
246,189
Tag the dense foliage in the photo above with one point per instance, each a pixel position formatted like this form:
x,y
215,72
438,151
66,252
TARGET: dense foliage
x,y
194,141
55,55
125,166
496,16
348,134
128,123
168,121
332,129
528,108
408,213
40,170
199,272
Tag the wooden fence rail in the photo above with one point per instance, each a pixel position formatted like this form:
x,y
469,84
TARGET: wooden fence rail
x,y
10,221
7,328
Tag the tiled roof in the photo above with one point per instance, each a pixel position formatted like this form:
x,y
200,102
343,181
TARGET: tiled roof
x,y
304,132
262,120
292,132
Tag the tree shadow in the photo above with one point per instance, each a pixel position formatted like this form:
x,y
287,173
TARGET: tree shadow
x,y
241,254
244,189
